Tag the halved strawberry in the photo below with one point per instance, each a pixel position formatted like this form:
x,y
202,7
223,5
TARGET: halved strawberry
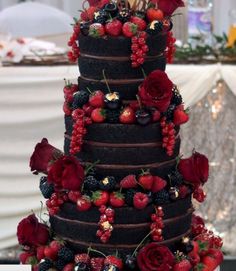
x,y
129,182
158,184
117,199
113,260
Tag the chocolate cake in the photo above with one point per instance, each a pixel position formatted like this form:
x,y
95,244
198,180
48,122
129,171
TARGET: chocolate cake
x,y
120,196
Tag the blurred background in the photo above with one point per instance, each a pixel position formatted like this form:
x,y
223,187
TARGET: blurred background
x,y
33,63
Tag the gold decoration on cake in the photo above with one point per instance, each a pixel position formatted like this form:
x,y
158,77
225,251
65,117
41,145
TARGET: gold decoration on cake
x,y
105,181
107,226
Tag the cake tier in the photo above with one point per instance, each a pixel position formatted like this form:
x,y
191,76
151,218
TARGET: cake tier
x,y
130,227
124,149
113,55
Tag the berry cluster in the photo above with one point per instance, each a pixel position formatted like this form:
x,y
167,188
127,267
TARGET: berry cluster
x,y
139,49
170,50
168,133
105,223
69,90
73,43
56,200
157,225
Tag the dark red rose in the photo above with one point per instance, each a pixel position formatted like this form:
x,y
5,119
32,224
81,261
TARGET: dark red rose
x,y
155,258
66,173
32,233
195,169
156,90
168,6
98,3
43,154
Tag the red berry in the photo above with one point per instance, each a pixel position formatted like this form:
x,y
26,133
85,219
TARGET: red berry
x,y
127,115
82,258
117,199
100,197
114,27
83,203
113,260
129,29
98,115
96,30
146,180
155,14
180,117
140,200
129,182
50,253
158,184
97,264
74,196
142,25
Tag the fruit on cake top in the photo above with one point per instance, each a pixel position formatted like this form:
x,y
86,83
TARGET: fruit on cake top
x,y
120,195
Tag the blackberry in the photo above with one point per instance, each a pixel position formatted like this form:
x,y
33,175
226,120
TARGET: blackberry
x,y
112,116
45,265
91,183
66,254
124,15
169,114
129,196
161,197
101,17
60,264
176,179
82,267
107,184
80,99
47,189
155,27
176,98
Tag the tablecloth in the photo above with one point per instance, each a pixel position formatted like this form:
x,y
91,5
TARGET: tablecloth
x,y
31,108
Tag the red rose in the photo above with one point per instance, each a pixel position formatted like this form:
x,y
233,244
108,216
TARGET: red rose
x,y
32,233
156,90
66,173
195,169
155,258
43,154
168,6
98,3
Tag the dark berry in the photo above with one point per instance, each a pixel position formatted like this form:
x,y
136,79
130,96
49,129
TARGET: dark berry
x,y
107,184
174,193
101,17
143,116
161,197
169,114
129,196
91,183
80,99
66,254
124,15
45,265
46,188
82,267
111,9
110,268
60,264
112,116
155,27
176,97
176,179
130,262
185,245
112,100
84,28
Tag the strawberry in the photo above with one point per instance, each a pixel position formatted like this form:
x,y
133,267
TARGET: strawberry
x,y
96,30
183,265
129,29
84,203
201,267
82,258
25,257
88,14
69,267
55,246
117,199
155,14
100,198
74,196
180,117
140,200
96,99
97,264
113,260
203,246
114,28
50,253
142,25
40,253
194,255
216,254
211,262
98,115
129,182
158,184
127,115
146,180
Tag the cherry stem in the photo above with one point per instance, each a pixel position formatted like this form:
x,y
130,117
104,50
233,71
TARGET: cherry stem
x,y
144,74
97,251
91,166
139,102
89,90
104,76
142,242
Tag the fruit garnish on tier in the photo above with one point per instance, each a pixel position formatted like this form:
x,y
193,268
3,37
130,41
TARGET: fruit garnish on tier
x,y
135,20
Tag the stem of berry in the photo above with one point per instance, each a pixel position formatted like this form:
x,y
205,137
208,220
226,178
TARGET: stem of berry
x,y
139,102
144,73
89,167
96,251
104,76
89,90
144,239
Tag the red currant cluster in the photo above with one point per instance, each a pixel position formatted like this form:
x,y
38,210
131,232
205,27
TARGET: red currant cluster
x,y
105,223
170,50
199,194
74,53
157,225
168,133
139,49
53,204
79,130
69,89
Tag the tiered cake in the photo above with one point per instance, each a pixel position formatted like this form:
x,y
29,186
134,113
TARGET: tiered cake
x,y
120,198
